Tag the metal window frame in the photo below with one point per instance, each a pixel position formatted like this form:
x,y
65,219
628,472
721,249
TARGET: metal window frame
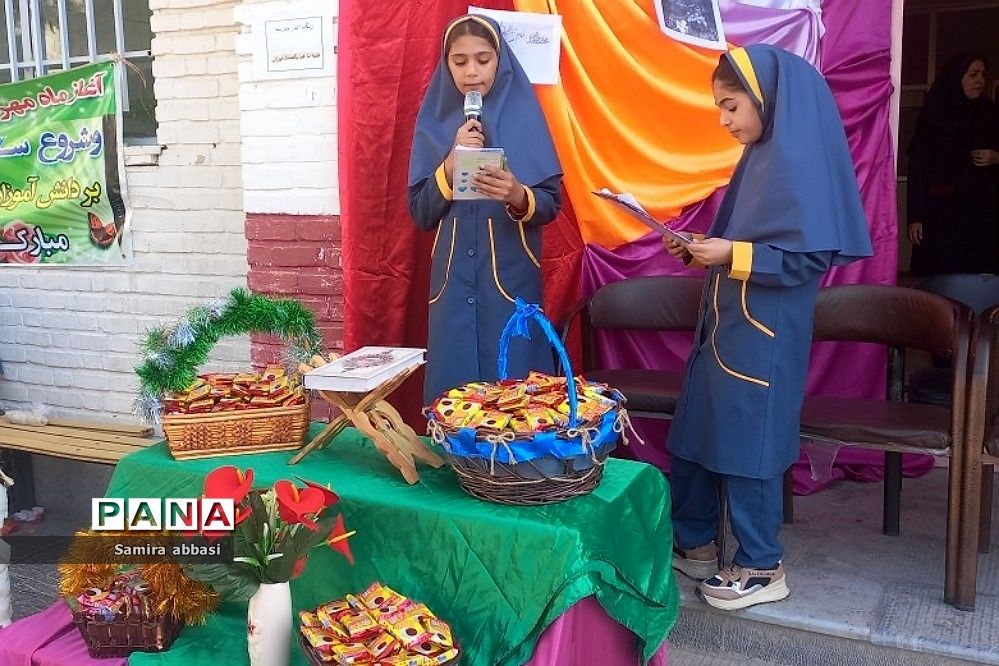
x,y
34,61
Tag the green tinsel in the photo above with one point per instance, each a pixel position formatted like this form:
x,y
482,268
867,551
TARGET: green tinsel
x,y
169,368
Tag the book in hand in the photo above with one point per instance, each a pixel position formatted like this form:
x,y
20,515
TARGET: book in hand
x,y
364,369
466,165
628,202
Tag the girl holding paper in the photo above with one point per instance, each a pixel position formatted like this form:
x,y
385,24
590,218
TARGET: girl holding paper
x,y
791,211
487,251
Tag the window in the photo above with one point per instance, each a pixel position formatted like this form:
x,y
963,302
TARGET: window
x,y
42,36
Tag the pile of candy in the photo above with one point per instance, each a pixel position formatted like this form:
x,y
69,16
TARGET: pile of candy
x,y
524,406
378,627
220,392
126,597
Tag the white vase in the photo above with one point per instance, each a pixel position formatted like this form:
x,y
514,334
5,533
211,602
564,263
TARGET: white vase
x,y
268,625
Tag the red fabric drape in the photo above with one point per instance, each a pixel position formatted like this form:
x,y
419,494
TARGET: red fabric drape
x,y
387,51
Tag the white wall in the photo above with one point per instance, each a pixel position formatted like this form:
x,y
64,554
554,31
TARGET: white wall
x,y
288,124
69,337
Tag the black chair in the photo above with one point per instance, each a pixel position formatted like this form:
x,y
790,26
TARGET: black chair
x,y
930,384
655,303
907,319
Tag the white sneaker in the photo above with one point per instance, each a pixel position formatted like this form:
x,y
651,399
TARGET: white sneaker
x,y
736,587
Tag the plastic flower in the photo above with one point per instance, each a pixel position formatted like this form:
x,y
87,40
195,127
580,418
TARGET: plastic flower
x,y
276,529
297,505
337,539
230,483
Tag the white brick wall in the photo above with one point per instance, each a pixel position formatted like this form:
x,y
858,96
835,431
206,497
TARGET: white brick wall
x,y
69,337
288,127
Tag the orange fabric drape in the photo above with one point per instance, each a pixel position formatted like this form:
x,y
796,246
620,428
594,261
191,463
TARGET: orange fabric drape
x,y
633,112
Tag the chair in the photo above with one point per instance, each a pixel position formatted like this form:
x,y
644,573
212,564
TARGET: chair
x,y
976,290
982,453
909,319
654,303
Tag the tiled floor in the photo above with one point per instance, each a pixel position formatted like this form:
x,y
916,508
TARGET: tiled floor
x,y
850,581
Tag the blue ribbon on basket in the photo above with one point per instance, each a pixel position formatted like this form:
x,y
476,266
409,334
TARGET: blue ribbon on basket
x,y
519,326
549,444
464,443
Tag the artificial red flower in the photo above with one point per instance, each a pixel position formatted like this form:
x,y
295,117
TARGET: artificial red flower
x,y
228,483
299,567
338,539
329,497
297,505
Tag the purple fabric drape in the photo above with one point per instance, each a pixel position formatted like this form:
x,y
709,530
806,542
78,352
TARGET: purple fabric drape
x,y
796,30
48,638
855,55
582,636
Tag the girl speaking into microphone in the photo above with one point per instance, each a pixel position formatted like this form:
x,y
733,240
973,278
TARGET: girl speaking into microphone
x,y
487,251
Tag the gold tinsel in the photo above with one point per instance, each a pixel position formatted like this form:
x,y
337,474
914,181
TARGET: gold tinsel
x,y
173,592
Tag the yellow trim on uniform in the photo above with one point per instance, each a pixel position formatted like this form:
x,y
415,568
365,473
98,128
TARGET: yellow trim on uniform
x,y
492,258
442,183
742,261
531,206
745,66
450,255
527,249
714,345
471,17
749,317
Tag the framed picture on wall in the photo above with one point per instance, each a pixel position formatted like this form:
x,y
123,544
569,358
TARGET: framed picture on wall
x,y
692,21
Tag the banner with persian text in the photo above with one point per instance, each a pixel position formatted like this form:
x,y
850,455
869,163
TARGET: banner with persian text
x,y
62,186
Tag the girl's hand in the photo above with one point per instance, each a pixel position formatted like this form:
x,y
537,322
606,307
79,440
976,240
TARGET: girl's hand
x,y
915,232
711,251
984,157
500,185
676,249
470,135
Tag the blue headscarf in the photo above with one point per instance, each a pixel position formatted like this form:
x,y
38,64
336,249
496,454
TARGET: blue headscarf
x,y
511,116
795,188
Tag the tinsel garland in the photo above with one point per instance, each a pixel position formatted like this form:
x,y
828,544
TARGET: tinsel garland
x,y
172,355
170,589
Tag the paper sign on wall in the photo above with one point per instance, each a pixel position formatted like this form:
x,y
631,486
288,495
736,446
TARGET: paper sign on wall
x,y
535,39
294,43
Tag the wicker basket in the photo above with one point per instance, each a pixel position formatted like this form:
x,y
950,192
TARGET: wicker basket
x,y
234,432
316,660
121,638
572,459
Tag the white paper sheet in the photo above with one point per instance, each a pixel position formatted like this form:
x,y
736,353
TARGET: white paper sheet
x,y
536,40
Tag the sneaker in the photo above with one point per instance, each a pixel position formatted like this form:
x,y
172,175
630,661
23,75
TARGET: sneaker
x,y
736,587
697,563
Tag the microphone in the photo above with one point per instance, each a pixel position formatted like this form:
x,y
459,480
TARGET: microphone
x,y
473,105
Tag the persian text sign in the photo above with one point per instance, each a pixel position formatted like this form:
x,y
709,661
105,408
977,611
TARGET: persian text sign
x,y
62,195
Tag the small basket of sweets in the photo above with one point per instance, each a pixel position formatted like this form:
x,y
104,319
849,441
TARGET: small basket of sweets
x,y
379,627
227,413
536,440
119,611
248,411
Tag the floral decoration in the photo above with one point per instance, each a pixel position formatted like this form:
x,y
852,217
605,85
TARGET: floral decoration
x,y
276,528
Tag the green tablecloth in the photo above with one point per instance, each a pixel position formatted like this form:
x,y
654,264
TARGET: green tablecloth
x,y
499,574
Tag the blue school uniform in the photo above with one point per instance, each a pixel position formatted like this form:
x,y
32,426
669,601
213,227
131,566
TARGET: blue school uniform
x,y
792,209
483,256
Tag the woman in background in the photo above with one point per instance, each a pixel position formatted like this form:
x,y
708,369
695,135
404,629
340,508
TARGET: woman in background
x,y
487,251
951,198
